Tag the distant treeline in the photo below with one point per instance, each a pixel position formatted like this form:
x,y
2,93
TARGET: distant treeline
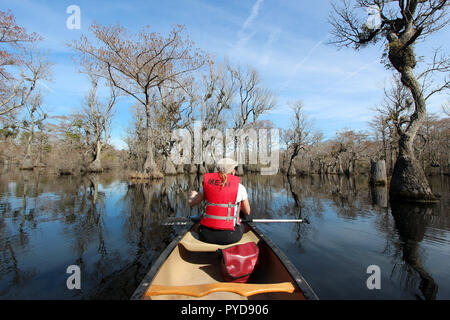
x,y
173,85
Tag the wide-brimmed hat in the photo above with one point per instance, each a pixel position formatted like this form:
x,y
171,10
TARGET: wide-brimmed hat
x,y
226,165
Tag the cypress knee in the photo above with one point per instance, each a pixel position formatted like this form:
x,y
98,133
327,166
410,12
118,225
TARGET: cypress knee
x,y
378,173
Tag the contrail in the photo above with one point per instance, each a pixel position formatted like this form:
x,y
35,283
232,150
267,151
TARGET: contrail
x,y
242,37
253,15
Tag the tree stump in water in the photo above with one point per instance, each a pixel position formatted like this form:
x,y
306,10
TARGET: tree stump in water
x,y
378,173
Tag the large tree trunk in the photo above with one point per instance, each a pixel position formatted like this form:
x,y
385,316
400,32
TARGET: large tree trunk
x,y
169,168
408,181
96,165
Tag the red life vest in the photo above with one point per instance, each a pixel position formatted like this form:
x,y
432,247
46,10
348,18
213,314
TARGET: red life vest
x,y
222,211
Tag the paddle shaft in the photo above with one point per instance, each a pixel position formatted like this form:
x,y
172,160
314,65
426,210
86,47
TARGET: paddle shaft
x,y
277,220
183,221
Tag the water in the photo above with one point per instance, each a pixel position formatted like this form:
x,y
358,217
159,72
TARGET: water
x,y
111,229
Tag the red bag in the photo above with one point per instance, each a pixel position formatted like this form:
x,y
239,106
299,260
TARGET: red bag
x,y
239,261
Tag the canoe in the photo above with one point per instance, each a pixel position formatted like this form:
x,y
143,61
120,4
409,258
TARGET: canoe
x,y
190,269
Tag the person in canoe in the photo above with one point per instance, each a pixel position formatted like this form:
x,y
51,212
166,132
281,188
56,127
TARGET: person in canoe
x,y
225,198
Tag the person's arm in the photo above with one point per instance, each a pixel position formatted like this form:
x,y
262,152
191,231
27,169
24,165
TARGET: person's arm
x,y
245,206
195,198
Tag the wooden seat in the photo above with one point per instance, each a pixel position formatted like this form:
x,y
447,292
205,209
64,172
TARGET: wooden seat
x,y
200,290
192,243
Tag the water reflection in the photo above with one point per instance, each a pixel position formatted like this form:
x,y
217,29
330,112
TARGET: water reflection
x,y
111,228
411,222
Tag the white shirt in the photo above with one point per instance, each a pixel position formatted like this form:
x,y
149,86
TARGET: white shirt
x,y
242,193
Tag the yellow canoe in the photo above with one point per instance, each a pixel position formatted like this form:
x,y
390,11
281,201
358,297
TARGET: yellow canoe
x,y
190,269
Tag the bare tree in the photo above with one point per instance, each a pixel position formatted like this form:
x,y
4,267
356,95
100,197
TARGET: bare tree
x,y
210,99
34,69
300,135
402,24
138,64
15,47
350,146
252,98
35,118
96,116
446,108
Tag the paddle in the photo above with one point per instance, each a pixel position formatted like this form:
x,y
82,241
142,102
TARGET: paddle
x,y
178,221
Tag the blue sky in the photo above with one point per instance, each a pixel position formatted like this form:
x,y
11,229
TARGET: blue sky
x,y
285,40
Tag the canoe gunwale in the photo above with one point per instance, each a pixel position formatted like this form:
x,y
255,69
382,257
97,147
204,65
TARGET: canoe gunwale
x,y
145,283
307,291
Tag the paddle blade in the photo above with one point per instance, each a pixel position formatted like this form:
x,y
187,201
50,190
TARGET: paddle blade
x,y
179,221
175,221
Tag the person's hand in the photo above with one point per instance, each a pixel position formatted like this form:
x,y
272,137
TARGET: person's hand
x,y
192,195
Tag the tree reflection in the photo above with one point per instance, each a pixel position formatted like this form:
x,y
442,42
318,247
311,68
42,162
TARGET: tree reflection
x,y
112,227
411,222
14,237
146,205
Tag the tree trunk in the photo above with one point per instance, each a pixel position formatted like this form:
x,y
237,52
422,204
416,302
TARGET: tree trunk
x,y
201,169
96,165
408,181
27,163
192,168
240,170
350,169
408,178
339,170
291,170
169,168
149,166
180,168
391,167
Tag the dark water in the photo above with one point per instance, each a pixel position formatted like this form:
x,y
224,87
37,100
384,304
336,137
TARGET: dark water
x,y
111,229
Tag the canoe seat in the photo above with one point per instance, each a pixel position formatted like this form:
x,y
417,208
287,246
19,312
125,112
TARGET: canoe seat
x,y
200,290
192,243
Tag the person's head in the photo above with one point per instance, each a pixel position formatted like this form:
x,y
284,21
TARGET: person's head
x,y
226,166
